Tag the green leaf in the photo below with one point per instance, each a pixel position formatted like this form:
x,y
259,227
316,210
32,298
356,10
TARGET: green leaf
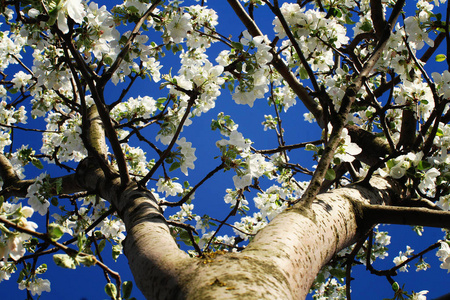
x,y
177,48
53,14
58,185
64,261
111,290
127,286
184,236
335,12
37,163
237,45
55,231
423,165
348,20
101,246
107,60
174,166
21,275
440,57
330,175
303,73
336,161
339,274
390,163
123,39
54,201
230,86
366,26
133,9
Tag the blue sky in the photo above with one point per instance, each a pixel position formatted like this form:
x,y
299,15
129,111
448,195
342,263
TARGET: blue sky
x,y
87,283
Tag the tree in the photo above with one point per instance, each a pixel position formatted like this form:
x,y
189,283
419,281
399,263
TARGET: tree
x,y
69,68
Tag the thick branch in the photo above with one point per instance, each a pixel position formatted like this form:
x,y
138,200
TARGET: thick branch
x,y
7,172
97,95
96,132
378,214
153,256
332,222
408,129
377,16
347,102
373,148
15,187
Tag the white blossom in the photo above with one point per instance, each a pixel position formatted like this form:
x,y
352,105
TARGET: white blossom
x,y
428,182
241,182
237,140
416,34
188,155
21,79
168,186
35,199
179,27
74,9
419,296
402,257
36,286
444,256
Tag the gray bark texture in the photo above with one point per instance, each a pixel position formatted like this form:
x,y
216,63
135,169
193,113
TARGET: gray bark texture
x,y
281,262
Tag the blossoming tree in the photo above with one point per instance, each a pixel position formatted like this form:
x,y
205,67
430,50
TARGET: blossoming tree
x,y
355,72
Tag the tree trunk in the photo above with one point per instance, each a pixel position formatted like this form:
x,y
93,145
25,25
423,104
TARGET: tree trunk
x,y
281,262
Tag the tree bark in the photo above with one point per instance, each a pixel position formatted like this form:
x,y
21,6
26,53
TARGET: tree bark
x,y
281,262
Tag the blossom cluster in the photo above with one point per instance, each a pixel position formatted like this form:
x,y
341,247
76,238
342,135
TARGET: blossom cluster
x,y
11,244
140,107
197,71
14,244
36,195
9,115
315,34
402,257
62,137
249,225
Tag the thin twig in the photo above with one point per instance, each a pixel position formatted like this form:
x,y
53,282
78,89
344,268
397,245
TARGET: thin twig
x,y
188,195
192,97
